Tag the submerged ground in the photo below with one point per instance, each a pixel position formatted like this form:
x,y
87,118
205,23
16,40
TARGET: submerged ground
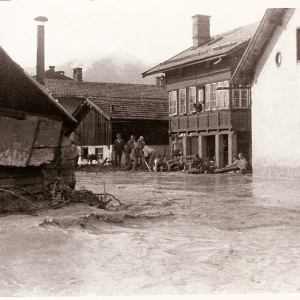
x,y
179,234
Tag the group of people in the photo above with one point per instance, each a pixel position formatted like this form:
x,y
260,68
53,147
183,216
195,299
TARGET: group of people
x,y
137,153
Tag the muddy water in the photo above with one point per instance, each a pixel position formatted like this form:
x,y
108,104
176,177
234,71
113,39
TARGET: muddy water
x,y
210,235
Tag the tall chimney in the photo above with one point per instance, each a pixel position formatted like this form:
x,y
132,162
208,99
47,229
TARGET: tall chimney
x,y
201,30
40,56
77,74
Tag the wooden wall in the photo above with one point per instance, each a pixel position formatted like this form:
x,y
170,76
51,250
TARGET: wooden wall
x,y
93,130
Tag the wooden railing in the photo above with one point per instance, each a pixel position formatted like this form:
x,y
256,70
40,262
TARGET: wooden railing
x,y
239,119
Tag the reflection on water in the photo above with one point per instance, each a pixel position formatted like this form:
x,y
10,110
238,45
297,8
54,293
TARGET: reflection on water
x,y
227,234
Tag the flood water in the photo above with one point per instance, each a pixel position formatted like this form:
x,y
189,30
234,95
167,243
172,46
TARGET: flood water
x,y
183,234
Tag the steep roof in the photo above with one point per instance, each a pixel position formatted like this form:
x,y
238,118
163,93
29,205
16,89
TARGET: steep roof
x,y
217,46
19,91
115,100
272,19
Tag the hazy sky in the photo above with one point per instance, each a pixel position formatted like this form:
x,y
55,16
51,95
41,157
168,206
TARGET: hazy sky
x,y
153,30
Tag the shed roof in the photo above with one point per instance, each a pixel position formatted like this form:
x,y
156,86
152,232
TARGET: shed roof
x,y
19,91
217,46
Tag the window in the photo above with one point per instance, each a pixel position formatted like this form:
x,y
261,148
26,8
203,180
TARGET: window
x,y
213,96
201,98
298,43
192,98
207,97
173,103
182,101
99,153
85,152
240,98
223,95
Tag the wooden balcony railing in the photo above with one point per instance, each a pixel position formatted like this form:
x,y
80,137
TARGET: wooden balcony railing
x,y
238,119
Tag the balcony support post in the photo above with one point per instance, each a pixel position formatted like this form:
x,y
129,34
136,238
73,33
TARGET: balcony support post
x,y
219,150
232,146
202,142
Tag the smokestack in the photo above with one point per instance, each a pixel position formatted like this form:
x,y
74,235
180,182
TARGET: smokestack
x,y
40,56
77,74
201,30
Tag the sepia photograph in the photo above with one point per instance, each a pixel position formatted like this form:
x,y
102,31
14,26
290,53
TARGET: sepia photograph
x,y
149,149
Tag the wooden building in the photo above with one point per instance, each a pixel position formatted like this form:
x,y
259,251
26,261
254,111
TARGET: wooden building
x,y
212,116
34,128
271,65
129,109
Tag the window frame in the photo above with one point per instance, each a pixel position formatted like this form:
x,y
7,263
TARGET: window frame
x,y
207,96
182,101
240,98
193,100
223,95
173,103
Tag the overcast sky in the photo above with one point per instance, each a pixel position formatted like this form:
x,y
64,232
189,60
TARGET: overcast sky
x,y
152,30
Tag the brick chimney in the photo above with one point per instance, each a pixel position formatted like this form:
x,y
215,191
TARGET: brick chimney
x,y
52,68
201,30
160,80
77,74
40,56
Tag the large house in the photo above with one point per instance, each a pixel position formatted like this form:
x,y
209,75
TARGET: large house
x,y
35,149
129,109
212,116
271,65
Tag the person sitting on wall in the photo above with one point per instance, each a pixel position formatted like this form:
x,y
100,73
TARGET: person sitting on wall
x,y
209,166
239,163
177,164
119,147
160,164
197,166
176,147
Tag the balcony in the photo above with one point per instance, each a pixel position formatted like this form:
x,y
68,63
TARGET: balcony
x,y
236,119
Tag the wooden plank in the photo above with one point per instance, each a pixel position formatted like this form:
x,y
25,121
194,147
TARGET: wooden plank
x,y
41,156
48,134
17,137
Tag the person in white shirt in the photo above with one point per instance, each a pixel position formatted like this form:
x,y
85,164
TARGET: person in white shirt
x,y
149,155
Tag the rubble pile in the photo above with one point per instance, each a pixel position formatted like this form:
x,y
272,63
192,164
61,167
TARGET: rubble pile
x,y
13,199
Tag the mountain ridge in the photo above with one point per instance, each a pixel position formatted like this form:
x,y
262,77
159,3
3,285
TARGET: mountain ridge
x,y
115,68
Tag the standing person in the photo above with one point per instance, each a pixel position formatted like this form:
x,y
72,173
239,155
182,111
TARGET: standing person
x,y
138,153
128,149
176,148
119,147
149,155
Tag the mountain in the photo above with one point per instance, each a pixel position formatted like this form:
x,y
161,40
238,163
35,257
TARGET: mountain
x,y
118,68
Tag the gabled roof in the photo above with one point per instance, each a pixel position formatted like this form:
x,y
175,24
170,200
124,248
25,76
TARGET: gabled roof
x,y
273,18
20,92
114,100
217,46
